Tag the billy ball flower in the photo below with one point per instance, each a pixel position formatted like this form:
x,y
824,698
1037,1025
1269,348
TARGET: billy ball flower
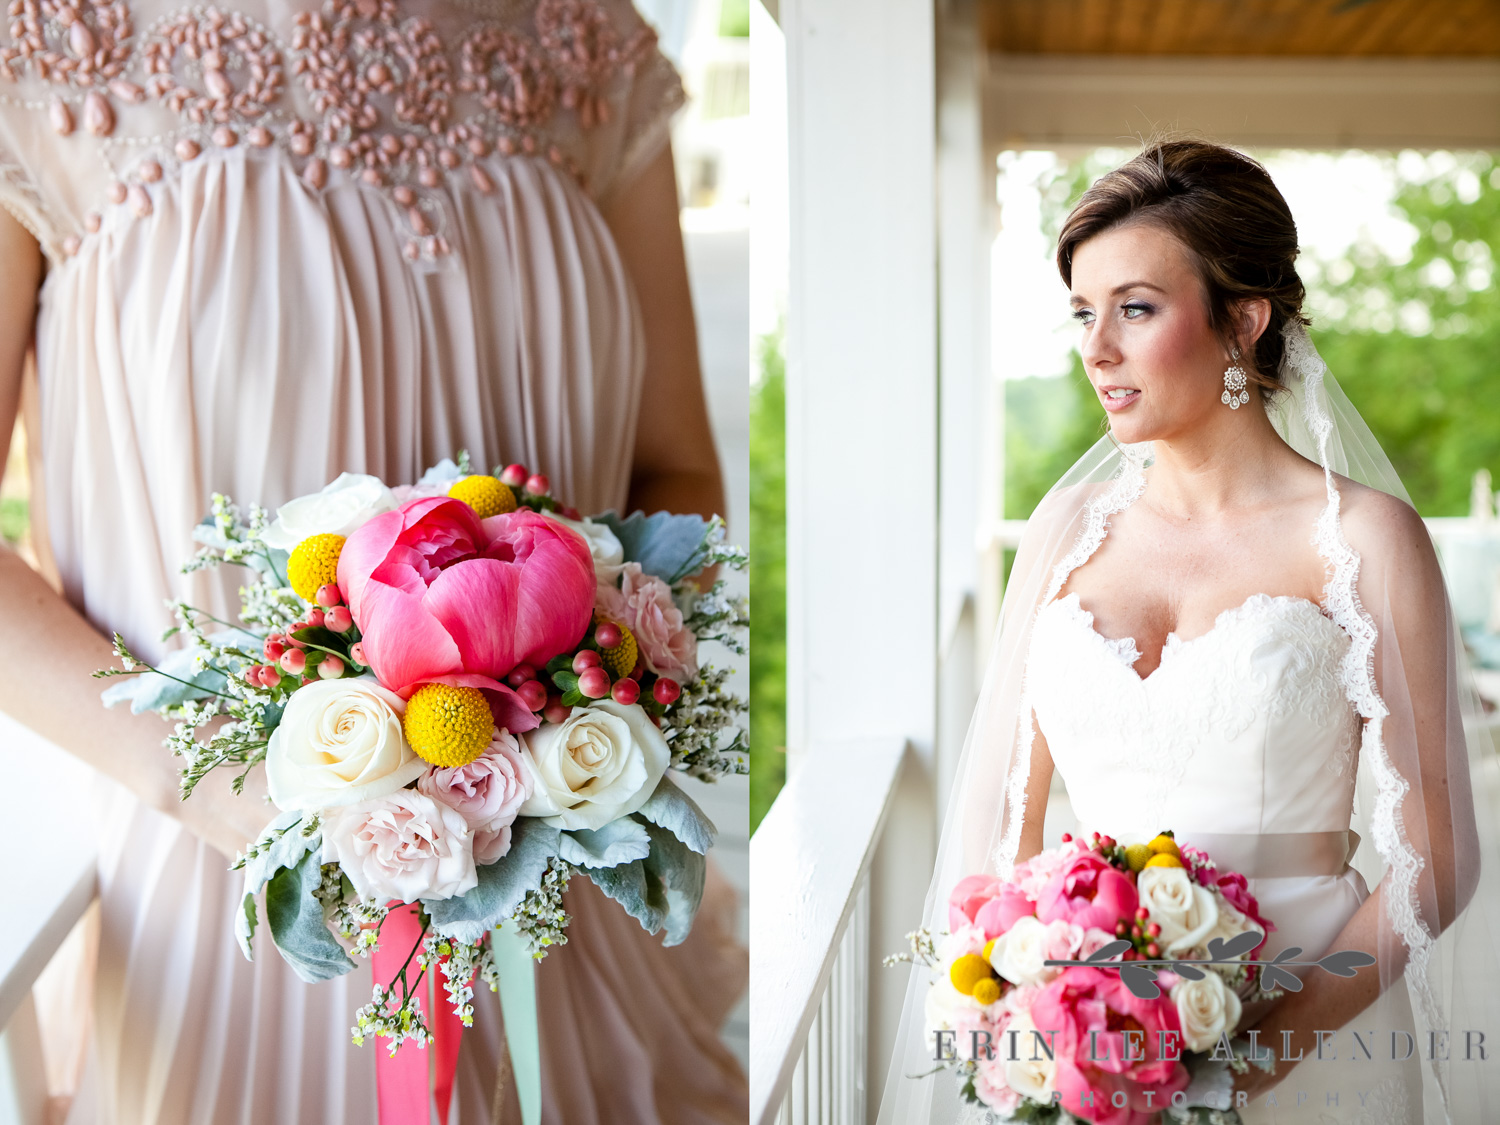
x,y
486,495
617,648
448,726
314,564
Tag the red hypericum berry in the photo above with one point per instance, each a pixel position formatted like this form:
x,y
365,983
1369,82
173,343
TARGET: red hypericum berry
x,y
514,475
330,668
1135,931
329,596
1119,929
570,513
269,676
1067,837
1107,842
594,683
1153,950
638,671
520,674
338,619
1131,955
666,691
1154,930
292,628
626,692
357,654
252,675
1140,914
315,618
557,713
608,635
293,662
538,485
533,694
273,648
585,660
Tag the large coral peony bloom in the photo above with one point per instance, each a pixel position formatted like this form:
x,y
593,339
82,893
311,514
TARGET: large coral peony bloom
x,y
1088,891
443,597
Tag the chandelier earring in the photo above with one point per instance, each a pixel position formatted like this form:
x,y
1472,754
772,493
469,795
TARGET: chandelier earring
x,y
1235,392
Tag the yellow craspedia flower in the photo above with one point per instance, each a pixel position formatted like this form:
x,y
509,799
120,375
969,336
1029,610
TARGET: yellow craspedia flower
x,y
987,991
486,495
620,659
1164,844
314,563
968,971
448,726
1164,859
989,947
1138,855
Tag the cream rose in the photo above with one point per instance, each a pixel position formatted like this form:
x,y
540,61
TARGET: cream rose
x,y
1186,911
604,545
401,846
602,763
1019,953
1231,924
1206,1009
944,1009
339,742
339,509
1027,1076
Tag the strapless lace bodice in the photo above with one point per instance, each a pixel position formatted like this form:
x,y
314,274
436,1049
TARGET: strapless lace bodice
x,y
1244,729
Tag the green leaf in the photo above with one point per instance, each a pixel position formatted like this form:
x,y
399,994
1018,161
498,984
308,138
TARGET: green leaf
x,y
297,925
619,841
666,545
643,898
281,845
566,680
573,698
502,884
670,808
679,871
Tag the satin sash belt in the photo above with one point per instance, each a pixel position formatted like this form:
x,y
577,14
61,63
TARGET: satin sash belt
x,y
1278,855
1275,855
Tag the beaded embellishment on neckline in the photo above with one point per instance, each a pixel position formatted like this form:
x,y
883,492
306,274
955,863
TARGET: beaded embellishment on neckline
x,y
359,90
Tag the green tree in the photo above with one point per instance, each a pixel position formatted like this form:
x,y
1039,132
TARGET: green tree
x,y
768,580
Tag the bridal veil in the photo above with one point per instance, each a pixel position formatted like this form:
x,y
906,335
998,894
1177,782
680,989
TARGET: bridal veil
x,y
1428,781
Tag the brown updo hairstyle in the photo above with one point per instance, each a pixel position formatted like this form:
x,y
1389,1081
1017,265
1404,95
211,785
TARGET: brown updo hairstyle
x,y
1224,208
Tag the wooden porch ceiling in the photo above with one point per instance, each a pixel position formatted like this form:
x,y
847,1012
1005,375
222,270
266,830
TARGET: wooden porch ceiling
x,y
1262,28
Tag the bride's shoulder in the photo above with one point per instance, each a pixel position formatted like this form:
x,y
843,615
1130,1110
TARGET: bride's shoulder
x,y
1385,531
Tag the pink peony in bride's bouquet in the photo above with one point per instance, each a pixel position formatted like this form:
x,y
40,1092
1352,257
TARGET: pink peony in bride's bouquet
x,y
1100,982
463,694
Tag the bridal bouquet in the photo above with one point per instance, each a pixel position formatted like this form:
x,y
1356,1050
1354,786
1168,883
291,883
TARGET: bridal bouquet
x,y
1046,1001
463,693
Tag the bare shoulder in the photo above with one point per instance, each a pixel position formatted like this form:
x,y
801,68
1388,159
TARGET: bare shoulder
x,y
1385,530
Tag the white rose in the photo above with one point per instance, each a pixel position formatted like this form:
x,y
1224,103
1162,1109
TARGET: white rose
x,y
601,764
338,742
1019,953
1031,1078
604,546
403,846
1231,923
1206,1009
1186,911
942,1008
339,509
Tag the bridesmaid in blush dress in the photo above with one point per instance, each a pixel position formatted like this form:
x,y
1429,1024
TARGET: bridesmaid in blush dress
x,y
257,246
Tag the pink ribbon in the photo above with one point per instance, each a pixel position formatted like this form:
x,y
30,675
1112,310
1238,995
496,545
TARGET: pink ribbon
x,y
407,1083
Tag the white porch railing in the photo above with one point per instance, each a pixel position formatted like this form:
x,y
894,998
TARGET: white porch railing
x,y
809,935
49,881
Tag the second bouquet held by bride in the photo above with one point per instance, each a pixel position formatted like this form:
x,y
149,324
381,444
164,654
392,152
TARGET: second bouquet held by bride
x,y
463,694
1102,983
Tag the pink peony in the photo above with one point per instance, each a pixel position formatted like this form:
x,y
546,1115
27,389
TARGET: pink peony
x,y
644,603
442,597
487,793
403,846
1089,891
988,903
1083,1000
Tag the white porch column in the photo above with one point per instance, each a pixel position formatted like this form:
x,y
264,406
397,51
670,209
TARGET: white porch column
x,y
862,462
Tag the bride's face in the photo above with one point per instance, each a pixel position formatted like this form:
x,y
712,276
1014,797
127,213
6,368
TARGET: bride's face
x,y
1154,361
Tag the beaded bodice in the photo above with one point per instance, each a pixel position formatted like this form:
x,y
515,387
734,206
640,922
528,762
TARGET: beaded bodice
x,y
102,102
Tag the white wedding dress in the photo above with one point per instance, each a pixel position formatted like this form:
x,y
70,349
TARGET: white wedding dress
x,y
1243,742
286,239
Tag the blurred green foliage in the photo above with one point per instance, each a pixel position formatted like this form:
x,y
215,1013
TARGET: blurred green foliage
x,y
1414,342
14,518
768,580
734,19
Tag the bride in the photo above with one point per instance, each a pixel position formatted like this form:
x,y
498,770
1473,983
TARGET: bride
x,y
1228,621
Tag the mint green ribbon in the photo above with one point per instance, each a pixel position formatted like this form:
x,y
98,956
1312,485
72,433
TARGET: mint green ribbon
x,y
517,972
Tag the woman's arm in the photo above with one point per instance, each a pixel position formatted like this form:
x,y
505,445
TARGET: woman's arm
x,y
48,649
676,467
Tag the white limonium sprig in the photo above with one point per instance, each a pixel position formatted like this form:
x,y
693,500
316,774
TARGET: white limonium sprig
x,y
703,728
540,918
398,1024
458,962
355,921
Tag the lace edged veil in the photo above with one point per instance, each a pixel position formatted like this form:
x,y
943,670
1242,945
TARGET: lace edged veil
x,y
1427,792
